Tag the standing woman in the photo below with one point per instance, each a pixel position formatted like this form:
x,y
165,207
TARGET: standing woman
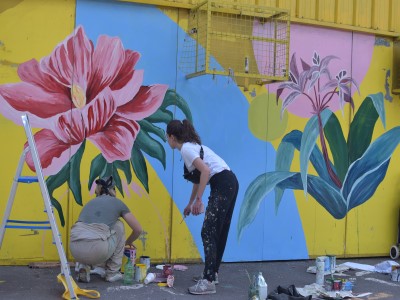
x,y
98,237
211,169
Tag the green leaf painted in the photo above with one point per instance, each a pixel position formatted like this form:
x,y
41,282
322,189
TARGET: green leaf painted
x,y
327,195
74,180
139,166
59,209
97,168
163,115
377,154
70,174
362,126
337,143
173,98
150,128
125,167
150,146
308,141
317,160
117,179
284,158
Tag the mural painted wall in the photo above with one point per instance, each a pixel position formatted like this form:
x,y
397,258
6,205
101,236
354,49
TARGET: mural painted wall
x,y
315,156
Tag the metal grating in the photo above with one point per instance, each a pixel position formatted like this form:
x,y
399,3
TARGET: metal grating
x,y
249,43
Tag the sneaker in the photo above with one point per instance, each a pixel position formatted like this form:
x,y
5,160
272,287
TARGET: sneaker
x,y
114,277
83,273
197,278
99,271
203,287
77,267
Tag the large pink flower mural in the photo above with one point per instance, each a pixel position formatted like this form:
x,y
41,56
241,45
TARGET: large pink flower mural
x,y
82,92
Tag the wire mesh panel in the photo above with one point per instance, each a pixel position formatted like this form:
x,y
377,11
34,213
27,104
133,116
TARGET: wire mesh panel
x,y
249,43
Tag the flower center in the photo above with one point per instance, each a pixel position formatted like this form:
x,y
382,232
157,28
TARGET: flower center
x,y
78,96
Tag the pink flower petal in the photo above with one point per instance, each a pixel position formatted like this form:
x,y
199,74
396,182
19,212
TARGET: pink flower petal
x,y
130,89
70,62
145,103
115,141
30,72
53,153
125,74
98,113
25,97
74,126
108,58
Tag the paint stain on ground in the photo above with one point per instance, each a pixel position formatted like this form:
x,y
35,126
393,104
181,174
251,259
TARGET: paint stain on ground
x,y
171,291
124,288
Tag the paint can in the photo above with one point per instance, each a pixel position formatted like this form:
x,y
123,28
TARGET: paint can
x,y
337,285
395,275
128,254
320,266
328,284
332,263
140,272
145,260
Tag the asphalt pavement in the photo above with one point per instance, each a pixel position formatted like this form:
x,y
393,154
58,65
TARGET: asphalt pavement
x,y
24,282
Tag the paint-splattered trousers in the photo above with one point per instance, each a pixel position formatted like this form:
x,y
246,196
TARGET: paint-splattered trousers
x,y
214,233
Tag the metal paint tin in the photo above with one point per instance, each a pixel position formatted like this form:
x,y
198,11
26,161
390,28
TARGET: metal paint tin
x,y
140,272
395,275
337,285
320,266
328,284
145,260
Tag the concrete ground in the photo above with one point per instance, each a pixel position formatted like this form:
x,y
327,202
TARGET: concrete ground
x,y
22,282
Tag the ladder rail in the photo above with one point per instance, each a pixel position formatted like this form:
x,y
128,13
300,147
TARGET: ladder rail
x,y
11,196
65,269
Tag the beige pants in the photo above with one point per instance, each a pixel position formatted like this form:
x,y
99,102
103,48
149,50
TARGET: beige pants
x,y
105,251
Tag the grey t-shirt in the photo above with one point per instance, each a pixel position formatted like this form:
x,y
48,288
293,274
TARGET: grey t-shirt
x,y
104,209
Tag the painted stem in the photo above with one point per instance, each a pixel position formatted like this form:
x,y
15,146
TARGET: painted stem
x,y
332,174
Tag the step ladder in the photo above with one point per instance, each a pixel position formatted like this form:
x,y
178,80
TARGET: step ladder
x,y
36,225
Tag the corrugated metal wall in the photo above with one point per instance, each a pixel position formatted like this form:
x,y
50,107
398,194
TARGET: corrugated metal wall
x,y
360,15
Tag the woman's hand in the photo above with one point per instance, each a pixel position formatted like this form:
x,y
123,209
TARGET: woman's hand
x,y
198,207
187,210
130,246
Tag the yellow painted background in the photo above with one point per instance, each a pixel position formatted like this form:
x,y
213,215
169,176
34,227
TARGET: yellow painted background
x,y
31,29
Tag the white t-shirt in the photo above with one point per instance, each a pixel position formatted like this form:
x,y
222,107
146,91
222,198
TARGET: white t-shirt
x,y
191,151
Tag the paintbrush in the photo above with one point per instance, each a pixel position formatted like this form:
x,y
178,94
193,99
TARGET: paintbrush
x,y
182,219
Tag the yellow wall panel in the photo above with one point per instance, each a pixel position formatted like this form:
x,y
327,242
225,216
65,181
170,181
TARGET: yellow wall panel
x,y
29,29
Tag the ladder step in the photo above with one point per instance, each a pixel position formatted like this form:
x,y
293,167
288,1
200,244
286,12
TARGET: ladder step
x,y
27,179
28,226
27,222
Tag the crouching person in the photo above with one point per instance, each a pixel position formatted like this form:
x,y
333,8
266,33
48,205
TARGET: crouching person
x,y
98,237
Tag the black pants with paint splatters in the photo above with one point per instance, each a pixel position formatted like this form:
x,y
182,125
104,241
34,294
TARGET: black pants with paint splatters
x,y
214,233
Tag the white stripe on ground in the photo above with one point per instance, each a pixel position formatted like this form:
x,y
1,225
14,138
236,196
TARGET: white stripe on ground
x,y
382,281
